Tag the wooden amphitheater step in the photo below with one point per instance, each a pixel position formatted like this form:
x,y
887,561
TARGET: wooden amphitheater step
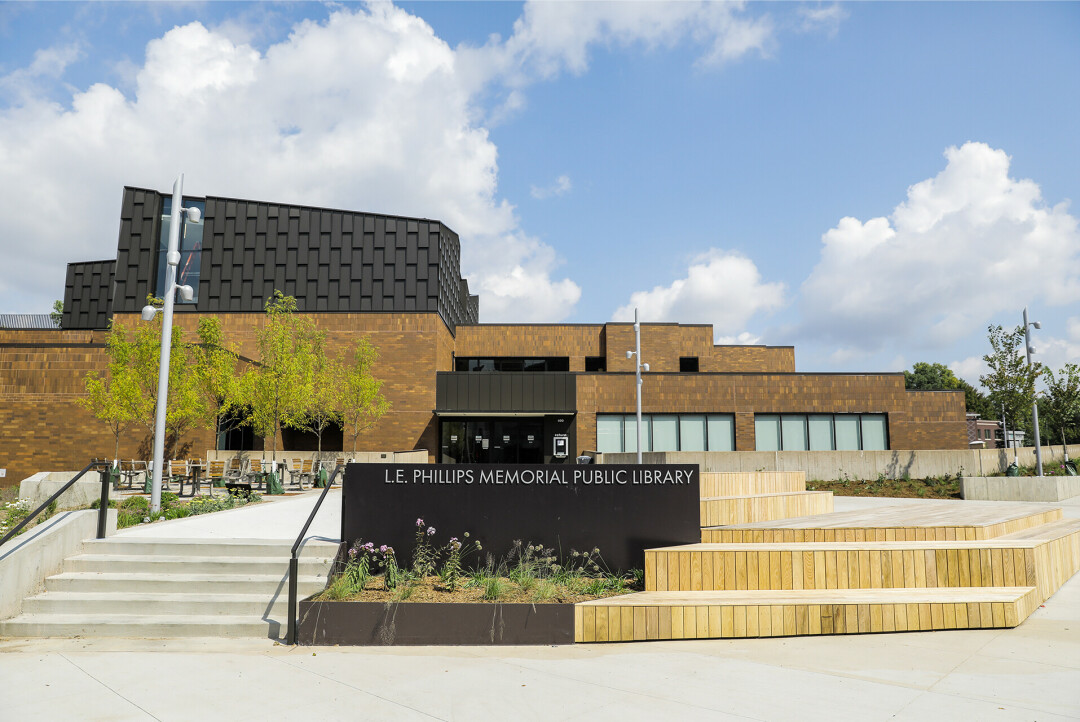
x,y
748,483
763,507
712,615
1043,558
925,520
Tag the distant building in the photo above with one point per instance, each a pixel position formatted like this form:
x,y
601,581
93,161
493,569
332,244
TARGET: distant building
x,y
984,433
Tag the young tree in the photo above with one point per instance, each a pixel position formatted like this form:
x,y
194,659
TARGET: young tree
x,y
939,377
115,397
323,387
1011,382
362,403
186,406
219,382
277,386
57,313
1060,404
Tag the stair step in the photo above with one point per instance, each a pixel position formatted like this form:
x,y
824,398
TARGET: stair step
x,y
725,614
142,626
161,564
926,520
175,583
743,483
119,544
126,602
763,507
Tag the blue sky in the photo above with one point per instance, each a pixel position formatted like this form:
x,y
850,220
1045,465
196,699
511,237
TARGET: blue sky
x,y
871,182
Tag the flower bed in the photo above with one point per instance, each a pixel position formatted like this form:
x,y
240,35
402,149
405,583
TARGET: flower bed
x,y
526,598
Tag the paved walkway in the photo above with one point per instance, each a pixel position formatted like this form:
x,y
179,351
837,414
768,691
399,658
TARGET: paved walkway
x,y
1028,673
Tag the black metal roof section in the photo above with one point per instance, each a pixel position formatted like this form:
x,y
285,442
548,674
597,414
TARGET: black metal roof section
x,y
24,321
88,292
505,392
329,260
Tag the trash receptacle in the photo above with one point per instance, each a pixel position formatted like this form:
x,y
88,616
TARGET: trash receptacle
x,y
584,459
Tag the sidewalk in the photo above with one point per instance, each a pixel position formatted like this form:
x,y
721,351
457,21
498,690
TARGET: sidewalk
x,y
1028,673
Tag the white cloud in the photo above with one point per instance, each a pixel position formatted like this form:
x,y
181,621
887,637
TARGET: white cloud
x,y
555,37
826,18
970,369
721,288
966,244
367,110
561,186
742,339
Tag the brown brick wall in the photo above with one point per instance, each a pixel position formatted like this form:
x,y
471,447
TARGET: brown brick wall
x,y
921,420
42,428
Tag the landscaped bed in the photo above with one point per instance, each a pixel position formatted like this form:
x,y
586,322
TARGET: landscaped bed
x,y
525,598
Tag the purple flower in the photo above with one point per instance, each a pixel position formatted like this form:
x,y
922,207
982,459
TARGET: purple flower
x,y
382,549
352,552
453,539
419,522
430,530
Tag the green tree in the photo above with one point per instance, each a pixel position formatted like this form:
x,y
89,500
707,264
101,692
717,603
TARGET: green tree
x,y
323,378
1060,403
1010,382
277,386
939,377
361,401
57,313
218,377
116,397
186,405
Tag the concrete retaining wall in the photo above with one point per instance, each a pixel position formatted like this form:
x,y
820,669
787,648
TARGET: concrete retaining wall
x,y
1019,488
42,485
26,560
827,465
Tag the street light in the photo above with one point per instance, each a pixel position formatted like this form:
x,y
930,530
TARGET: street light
x,y
1034,403
632,354
172,258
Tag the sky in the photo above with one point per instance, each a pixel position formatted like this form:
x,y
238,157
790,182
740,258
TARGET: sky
x,y
873,183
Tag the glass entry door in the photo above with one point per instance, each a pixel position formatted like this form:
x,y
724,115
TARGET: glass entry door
x,y
492,441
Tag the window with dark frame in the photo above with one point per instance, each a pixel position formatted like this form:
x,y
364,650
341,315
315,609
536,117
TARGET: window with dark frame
x,y
688,364
595,364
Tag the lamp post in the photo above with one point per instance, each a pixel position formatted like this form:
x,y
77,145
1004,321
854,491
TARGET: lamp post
x,y
1034,403
172,258
636,354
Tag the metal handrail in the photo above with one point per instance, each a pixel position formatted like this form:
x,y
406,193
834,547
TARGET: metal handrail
x,y
103,509
294,564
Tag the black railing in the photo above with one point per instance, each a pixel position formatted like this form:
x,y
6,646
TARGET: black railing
x,y
103,509
294,564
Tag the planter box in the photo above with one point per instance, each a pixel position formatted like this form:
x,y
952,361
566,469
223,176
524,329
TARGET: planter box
x,y
424,623
1019,488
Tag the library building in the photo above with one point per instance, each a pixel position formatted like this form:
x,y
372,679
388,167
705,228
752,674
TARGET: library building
x,y
461,390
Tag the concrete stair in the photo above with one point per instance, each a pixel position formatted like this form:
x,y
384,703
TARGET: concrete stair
x,y
159,588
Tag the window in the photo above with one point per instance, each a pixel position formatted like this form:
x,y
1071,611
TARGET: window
x,y
190,247
821,432
617,433
511,364
595,363
688,364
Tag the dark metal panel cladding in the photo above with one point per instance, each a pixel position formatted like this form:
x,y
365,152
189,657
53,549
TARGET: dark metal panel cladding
x,y
505,392
366,261
88,294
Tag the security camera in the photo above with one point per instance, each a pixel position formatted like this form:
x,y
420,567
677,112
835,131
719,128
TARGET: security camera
x,y
193,214
148,313
629,354
1037,325
186,293
173,258
1031,349
644,367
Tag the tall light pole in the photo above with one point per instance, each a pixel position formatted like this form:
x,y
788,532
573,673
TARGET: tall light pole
x,y
1034,403
636,354
172,258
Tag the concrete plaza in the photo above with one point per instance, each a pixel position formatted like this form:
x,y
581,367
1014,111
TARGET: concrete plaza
x,y
1031,672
